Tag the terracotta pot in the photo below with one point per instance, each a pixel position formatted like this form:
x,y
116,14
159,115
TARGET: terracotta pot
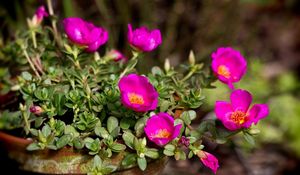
x,y
66,160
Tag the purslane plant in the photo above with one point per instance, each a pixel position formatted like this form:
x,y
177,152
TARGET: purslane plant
x,y
71,95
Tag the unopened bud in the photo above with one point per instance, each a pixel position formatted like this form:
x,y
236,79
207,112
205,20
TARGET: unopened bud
x,y
37,110
167,65
192,59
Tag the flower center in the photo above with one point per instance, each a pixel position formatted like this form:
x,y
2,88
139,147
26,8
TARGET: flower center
x,y
239,117
135,99
162,133
224,71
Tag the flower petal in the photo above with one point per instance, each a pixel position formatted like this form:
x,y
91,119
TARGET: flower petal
x,y
222,109
257,112
240,100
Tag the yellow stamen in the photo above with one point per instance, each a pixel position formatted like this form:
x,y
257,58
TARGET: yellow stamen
x,y
239,117
162,133
224,71
135,99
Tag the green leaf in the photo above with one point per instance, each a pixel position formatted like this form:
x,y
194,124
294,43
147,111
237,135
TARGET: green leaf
x,y
180,155
139,126
190,155
142,163
108,169
33,147
117,147
27,76
129,160
170,147
249,138
101,132
168,152
46,130
97,162
152,153
78,143
38,122
71,131
112,124
63,141
128,139
164,105
126,123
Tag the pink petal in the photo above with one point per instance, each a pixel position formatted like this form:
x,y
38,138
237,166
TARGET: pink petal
x,y
222,110
176,131
240,100
258,112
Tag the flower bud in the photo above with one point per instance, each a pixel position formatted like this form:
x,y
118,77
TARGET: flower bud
x,y
37,110
209,160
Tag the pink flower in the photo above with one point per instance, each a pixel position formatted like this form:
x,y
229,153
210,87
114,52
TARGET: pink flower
x,y
228,65
143,39
117,56
85,33
137,93
209,160
237,115
40,13
160,129
37,110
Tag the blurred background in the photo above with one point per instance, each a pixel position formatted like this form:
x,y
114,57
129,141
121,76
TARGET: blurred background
x,y
267,32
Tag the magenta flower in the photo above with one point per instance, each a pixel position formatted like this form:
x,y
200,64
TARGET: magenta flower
x,y
137,93
209,160
160,129
85,33
236,115
40,13
117,56
228,65
143,39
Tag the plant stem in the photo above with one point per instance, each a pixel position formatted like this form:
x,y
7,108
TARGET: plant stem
x,y
135,56
31,63
51,12
25,118
188,76
33,39
77,64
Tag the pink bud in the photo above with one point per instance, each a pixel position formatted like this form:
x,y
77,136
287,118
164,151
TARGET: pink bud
x,y
209,160
184,141
37,110
40,13
116,55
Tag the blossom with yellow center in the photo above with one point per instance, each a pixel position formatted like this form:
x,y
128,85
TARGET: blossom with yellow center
x,y
135,98
224,71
